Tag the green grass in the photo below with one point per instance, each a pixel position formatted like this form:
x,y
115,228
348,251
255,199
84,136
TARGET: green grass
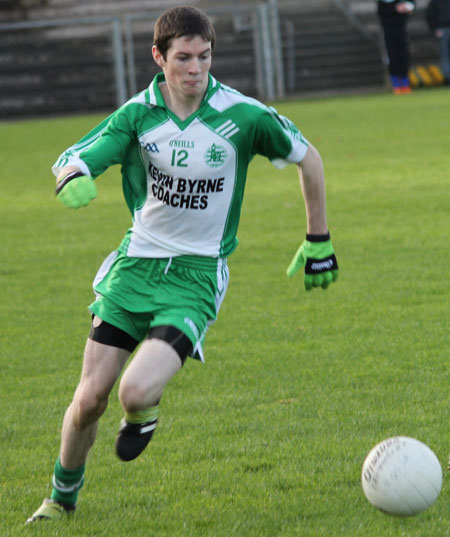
x,y
268,437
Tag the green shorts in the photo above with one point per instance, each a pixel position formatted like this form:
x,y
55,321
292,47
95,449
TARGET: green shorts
x,y
136,294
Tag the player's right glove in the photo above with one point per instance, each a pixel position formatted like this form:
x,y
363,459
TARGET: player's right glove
x,y
76,190
316,254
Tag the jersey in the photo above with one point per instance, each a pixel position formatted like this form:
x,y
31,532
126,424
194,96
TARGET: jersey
x,y
184,180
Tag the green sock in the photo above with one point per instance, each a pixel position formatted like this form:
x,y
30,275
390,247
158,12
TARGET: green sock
x,y
67,483
142,416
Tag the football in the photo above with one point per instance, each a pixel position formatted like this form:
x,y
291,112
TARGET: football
x,y
401,476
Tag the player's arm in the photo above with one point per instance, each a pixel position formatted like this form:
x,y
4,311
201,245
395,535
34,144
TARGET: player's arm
x,y
65,170
105,145
316,253
405,7
312,182
73,188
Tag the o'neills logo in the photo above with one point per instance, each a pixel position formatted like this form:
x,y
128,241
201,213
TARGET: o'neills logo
x,y
322,265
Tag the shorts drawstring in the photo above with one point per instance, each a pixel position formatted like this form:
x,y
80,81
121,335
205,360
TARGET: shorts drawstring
x,y
166,270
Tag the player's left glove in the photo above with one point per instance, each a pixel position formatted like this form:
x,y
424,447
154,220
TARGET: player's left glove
x,y
76,190
316,254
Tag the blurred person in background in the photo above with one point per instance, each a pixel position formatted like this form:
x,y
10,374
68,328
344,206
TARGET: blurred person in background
x,y
394,16
438,18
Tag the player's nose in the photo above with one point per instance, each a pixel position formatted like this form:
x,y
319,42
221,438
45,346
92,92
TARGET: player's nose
x,y
194,65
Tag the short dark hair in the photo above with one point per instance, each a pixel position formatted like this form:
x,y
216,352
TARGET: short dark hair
x,y
182,21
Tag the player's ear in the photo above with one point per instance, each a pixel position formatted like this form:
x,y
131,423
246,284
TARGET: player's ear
x,y
157,56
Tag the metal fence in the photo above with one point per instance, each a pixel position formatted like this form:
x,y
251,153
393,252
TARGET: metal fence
x,y
252,32
51,67
95,64
265,49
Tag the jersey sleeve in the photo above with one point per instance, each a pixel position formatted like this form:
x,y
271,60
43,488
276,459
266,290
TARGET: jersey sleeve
x,y
104,146
279,139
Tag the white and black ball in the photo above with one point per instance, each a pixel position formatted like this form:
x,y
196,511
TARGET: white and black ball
x,y
401,476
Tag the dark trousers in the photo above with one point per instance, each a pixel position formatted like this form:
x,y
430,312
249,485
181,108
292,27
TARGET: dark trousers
x,y
445,52
397,46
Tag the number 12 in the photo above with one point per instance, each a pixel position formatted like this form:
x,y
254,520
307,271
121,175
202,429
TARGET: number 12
x,y
182,156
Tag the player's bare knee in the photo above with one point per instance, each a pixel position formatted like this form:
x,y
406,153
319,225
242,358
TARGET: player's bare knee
x,y
131,397
135,397
87,408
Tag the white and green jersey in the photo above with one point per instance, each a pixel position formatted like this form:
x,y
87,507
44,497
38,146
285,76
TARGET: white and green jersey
x,y
184,181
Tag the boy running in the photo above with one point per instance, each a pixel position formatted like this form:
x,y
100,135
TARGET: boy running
x,y
184,145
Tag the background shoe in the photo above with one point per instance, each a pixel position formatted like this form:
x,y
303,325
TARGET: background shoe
x,y
133,438
50,510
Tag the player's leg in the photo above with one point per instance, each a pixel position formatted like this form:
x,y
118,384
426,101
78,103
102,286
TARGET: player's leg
x,y
101,368
193,292
102,365
404,58
142,385
445,54
392,49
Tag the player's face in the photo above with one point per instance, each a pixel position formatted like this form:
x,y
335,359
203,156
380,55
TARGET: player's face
x,y
186,66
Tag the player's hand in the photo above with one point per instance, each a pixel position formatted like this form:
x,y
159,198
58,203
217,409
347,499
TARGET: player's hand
x,y
76,190
404,7
316,254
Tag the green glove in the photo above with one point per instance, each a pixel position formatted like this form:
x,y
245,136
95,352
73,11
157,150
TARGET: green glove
x,y
316,254
76,190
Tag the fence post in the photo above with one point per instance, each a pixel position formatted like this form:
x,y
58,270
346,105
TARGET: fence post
x,y
277,48
119,67
290,54
131,64
265,50
259,70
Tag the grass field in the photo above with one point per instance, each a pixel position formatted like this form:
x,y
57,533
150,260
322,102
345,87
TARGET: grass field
x,y
266,439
